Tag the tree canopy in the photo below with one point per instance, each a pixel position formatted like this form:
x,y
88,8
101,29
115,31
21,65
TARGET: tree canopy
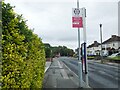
x,y
53,51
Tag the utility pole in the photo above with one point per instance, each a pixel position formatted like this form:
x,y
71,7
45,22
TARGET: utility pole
x,y
79,56
101,42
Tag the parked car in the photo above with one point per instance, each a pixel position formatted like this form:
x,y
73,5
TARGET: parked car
x,y
105,53
114,55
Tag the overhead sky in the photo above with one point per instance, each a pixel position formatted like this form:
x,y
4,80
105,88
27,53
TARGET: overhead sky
x,y
52,19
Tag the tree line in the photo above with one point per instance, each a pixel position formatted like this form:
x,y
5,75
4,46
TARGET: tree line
x,y
53,51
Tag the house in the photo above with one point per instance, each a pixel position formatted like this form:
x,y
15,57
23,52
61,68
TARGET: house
x,y
112,44
109,46
94,49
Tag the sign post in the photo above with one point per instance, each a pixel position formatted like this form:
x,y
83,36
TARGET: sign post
x,y
77,23
85,48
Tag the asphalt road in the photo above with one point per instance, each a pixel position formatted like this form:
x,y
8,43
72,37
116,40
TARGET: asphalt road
x,y
100,75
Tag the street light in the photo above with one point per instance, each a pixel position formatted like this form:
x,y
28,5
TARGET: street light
x,y
101,42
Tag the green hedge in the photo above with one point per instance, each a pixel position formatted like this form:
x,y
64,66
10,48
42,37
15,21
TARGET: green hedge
x,y
23,56
90,57
114,58
0,41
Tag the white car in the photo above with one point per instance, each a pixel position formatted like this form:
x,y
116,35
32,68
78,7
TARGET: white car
x,y
114,55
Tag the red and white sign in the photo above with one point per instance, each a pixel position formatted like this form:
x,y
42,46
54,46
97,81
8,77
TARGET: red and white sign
x,y
77,21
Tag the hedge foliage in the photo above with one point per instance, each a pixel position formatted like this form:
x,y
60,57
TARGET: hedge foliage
x,y
0,41
23,55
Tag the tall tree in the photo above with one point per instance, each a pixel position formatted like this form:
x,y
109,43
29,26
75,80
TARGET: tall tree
x,y
48,52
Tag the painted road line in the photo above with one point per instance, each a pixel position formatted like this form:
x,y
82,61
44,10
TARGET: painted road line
x,y
64,74
70,70
46,69
76,75
47,65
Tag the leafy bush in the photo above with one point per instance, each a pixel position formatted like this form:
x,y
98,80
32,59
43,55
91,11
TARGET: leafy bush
x,y
91,57
48,52
114,58
23,53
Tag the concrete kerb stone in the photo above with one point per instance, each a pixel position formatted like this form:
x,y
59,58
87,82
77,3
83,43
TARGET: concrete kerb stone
x,y
47,65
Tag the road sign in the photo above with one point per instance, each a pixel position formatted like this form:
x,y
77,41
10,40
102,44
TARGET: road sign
x,y
77,18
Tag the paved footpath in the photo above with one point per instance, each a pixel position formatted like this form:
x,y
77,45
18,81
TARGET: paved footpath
x,y
57,76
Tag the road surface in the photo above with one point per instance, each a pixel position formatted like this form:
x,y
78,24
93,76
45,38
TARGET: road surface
x,y
100,75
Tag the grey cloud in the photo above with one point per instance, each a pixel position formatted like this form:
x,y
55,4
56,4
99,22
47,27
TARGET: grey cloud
x,y
53,20
68,39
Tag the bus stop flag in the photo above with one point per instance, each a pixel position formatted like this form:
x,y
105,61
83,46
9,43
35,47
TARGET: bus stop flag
x,y
77,18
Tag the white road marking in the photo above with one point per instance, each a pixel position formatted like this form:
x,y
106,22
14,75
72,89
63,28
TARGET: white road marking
x,y
103,72
47,65
64,74
71,70
76,75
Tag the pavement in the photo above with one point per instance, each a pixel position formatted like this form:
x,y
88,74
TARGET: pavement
x,y
59,76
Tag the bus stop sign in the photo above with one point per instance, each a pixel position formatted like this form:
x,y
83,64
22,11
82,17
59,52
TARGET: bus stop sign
x,y
77,18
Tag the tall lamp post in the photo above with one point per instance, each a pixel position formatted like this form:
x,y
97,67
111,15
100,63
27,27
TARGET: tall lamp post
x,y
101,42
79,55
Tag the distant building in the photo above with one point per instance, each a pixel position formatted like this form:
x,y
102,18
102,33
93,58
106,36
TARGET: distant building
x,y
109,46
58,55
93,49
112,43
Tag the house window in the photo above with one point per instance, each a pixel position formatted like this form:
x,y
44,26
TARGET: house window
x,y
113,44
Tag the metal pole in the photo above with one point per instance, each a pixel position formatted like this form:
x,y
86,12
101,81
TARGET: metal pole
x,y
101,42
84,37
79,57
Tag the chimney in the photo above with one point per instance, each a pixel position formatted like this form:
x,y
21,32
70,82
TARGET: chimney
x,y
113,36
95,41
